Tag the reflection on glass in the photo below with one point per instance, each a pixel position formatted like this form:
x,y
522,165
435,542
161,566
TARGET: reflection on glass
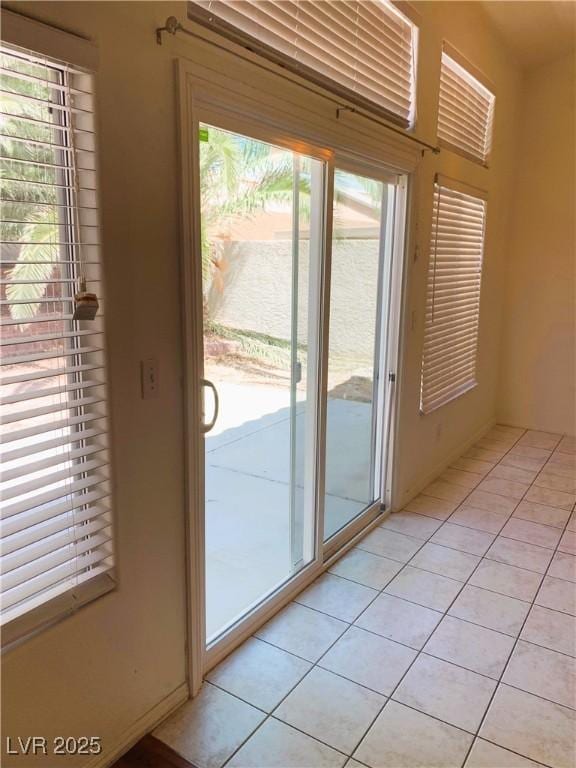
x,y
260,256
351,477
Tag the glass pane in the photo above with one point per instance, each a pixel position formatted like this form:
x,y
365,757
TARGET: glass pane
x,y
260,261
351,478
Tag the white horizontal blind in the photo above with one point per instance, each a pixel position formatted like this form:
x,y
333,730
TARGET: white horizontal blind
x,y
452,297
56,517
465,112
363,50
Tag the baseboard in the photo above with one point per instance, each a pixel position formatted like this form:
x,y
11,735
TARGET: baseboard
x,y
432,474
535,427
141,727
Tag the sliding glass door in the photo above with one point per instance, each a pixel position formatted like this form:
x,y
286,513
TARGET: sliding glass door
x,y
261,214
295,262
354,417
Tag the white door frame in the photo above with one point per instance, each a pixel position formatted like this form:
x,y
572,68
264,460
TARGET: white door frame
x,y
248,103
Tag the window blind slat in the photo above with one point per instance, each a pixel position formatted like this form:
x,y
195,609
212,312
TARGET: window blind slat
x,y
465,111
56,514
363,50
452,297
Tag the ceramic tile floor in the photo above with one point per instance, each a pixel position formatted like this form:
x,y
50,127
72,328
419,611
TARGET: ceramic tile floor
x,y
446,638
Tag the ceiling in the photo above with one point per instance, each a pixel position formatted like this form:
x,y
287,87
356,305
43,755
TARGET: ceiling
x,y
537,31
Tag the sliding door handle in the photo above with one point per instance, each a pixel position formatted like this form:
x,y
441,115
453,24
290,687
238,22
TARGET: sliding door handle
x,y
207,427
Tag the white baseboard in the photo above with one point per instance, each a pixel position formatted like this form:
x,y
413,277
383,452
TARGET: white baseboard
x,y
141,727
432,474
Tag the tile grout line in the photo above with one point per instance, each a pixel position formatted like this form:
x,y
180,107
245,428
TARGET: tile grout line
x,y
445,613
420,652
515,645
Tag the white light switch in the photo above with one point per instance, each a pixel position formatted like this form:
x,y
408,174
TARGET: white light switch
x,y
149,378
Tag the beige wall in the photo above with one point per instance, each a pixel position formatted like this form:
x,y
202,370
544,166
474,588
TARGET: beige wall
x,y
100,671
427,442
103,670
538,365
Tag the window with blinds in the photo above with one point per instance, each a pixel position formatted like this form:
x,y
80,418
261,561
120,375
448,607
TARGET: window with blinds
x,y
452,295
364,50
56,535
465,112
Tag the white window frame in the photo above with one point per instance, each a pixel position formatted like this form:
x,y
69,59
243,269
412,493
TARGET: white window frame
x,y
220,88
244,29
65,49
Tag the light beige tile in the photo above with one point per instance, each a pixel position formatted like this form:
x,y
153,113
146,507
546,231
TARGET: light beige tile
x,y
464,539
490,609
425,588
365,568
551,629
506,472
369,660
571,525
535,728
498,446
559,459
506,431
259,673
479,519
473,465
354,764
506,579
552,467
563,566
531,451
509,488
436,508
483,454
445,561
543,672
567,445
460,477
486,755
277,745
195,730
557,594
341,598
522,462
519,553
541,513
390,544
568,543
471,646
447,491
545,440
551,498
556,482
445,691
331,709
531,533
404,738
302,631
492,502
411,524
399,620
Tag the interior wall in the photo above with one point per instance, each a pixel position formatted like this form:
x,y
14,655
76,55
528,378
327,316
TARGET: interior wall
x,y
100,671
538,364
104,670
426,443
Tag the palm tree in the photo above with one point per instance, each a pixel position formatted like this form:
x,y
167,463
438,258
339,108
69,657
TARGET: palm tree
x,y
28,225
